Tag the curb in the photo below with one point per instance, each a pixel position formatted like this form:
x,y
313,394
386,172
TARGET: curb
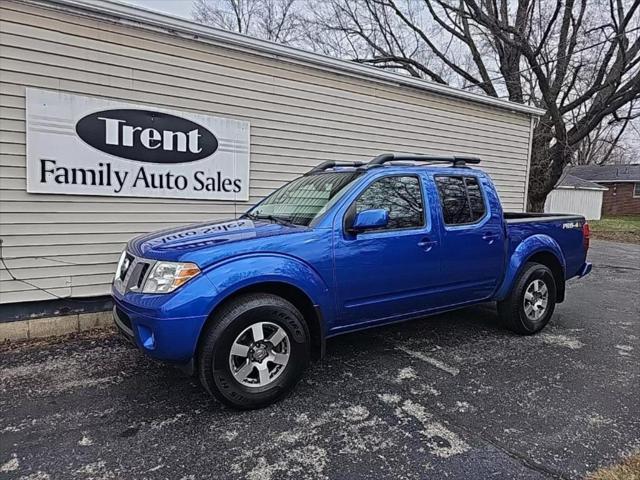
x,y
54,326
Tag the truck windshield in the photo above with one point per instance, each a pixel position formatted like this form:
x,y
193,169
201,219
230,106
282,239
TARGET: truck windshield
x,y
304,199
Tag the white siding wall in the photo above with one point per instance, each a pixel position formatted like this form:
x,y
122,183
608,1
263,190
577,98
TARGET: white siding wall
x,y
587,203
300,115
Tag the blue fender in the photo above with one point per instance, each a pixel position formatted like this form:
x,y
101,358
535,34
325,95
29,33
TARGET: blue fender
x,y
238,273
525,250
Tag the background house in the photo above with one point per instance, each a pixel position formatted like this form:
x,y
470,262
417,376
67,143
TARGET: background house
x,y
575,195
622,181
597,190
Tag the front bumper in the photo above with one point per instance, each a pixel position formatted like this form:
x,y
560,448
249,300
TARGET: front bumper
x,y
124,326
165,326
585,269
168,339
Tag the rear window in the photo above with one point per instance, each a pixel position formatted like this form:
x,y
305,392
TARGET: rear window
x,y
461,199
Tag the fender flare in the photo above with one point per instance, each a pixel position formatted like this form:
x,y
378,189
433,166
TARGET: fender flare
x,y
240,273
529,247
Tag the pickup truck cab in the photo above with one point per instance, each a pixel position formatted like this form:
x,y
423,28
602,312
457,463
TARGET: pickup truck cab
x,y
247,303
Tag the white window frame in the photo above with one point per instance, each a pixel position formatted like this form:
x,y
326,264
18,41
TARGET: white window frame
x,y
636,190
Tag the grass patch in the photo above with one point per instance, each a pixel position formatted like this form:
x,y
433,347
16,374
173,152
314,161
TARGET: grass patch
x,y
628,469
620,229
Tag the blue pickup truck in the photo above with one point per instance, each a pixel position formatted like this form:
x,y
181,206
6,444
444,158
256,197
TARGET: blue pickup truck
x,y
247,303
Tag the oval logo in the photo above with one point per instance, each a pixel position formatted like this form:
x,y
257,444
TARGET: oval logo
x,y
146,136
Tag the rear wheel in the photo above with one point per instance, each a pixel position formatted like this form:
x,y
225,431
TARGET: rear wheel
x,y
254,352
531,302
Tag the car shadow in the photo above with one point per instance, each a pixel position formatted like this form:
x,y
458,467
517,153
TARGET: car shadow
x,y
172,389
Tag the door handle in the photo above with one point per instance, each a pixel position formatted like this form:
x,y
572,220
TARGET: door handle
x,y
489,236
427,244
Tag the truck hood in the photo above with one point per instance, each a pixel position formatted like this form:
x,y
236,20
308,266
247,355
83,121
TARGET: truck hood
x,y
176,243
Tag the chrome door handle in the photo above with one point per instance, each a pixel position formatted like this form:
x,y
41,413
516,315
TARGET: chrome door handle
x,y
489,237
427,244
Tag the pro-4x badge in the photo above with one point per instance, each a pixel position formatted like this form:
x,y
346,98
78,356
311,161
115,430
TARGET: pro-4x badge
x,y
571,225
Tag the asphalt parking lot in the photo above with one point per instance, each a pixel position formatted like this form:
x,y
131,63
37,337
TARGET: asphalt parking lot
x,y
452,396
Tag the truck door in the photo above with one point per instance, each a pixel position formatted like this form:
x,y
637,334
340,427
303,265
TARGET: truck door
x,y
381,274
472,238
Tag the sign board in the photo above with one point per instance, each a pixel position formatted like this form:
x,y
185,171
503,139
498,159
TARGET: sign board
x,y
80,145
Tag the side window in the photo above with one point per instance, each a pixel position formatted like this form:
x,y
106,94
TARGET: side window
x,y
461,199
476,200
400,196
454,201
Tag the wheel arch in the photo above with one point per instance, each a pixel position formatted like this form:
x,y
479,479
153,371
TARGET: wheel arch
x,y
536,248
311,312
549,260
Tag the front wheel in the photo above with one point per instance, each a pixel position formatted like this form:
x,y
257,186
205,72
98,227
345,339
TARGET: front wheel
x,y
531,303
254,352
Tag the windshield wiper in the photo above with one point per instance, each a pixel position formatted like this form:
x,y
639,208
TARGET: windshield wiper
x,y
273,218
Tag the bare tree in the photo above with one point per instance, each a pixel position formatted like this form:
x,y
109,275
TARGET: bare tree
x,y
579,60
609,143
275,20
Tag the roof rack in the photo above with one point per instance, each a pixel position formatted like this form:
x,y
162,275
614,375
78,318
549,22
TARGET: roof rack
x,y
380,160
457,161
332,164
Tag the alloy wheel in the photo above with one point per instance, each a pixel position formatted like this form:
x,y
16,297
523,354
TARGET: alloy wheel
x,y
536,299
259,354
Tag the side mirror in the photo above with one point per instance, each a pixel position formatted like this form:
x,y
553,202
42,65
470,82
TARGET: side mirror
x,y
370,220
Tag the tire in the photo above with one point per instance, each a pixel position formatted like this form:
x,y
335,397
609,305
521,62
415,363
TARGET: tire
x,y
530,315
238,379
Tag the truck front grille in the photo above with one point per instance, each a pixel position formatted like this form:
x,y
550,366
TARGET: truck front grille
x,y
139,269
133,273
126,266
143,273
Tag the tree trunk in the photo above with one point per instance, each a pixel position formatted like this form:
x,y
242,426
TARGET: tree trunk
x,y
536,206
548,161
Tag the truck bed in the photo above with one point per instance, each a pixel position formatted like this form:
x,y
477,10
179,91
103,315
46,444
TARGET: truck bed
x,y
565,230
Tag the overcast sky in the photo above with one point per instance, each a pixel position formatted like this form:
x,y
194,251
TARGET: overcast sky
x,y
180,8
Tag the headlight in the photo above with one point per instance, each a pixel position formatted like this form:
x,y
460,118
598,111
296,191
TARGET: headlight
x,y
167,276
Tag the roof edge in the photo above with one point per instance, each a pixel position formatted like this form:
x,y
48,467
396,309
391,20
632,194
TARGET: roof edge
x,y
199,32
612,181
570,187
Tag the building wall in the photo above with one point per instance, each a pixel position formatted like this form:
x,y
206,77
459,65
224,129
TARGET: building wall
x,y
300,116
587,203
619,200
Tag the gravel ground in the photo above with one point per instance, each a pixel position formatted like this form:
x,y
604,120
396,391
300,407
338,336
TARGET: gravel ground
x,y
451,396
